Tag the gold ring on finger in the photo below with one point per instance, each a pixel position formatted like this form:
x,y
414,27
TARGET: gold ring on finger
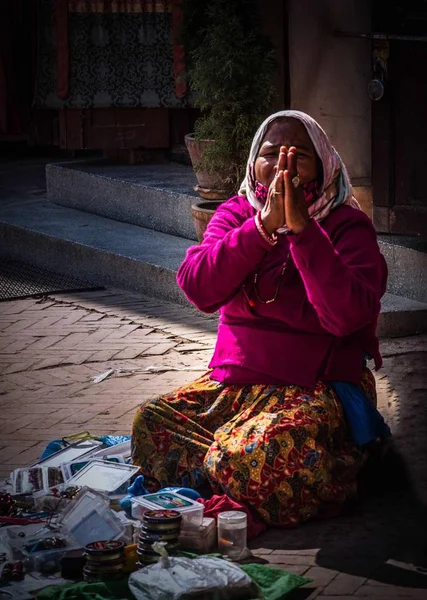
x,y
276,193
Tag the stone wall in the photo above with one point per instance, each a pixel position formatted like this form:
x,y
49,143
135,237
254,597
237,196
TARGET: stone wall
x,y
329,76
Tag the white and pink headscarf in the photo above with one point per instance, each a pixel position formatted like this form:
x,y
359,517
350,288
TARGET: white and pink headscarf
x,y
336,188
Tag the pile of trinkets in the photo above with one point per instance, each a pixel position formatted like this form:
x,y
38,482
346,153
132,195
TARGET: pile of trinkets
x,y
105,561
12,571
94,525
7,505
158,526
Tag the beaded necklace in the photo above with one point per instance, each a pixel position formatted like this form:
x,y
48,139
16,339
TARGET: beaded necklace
x,y
251,302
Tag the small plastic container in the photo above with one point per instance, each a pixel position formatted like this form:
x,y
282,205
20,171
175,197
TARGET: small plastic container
x,y
38,558
90,519
232,533
201,540
191,511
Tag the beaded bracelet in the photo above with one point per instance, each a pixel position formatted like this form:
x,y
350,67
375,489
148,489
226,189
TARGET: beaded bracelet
x,y
271,239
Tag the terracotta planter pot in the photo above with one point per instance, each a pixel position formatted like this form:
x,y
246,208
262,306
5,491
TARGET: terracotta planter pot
x,y
209,184
202,213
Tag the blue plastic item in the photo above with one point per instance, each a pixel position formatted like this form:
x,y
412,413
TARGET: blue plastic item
x,y
107,440
126,505
136,489
113,440
365,422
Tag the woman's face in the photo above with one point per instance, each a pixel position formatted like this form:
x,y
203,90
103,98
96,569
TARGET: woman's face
x,y
286,132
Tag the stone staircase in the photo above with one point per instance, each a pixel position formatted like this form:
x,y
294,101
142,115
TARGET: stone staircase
x,y
156,197
129,227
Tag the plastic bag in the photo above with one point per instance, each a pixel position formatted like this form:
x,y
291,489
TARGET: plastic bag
x,y
176,578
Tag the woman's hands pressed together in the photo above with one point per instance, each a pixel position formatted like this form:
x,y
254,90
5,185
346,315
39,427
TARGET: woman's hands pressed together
x,y
285,203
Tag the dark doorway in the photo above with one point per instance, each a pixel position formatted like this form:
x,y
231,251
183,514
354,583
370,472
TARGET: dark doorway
x,y
400,120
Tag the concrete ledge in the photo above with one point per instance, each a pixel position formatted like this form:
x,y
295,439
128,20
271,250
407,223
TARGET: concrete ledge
x,y
157,197
121,255
104,251
407,270
401,316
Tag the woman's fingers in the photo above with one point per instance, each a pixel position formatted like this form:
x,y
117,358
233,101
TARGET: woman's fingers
x,y
289,186
292,162
281,165
296,213
279,185
273,212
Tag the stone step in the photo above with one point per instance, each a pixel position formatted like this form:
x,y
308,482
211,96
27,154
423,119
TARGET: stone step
x,y
401,316
104,251
407,266
157,197
121,255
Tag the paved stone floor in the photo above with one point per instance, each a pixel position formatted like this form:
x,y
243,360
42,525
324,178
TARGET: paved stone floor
x,y
51,349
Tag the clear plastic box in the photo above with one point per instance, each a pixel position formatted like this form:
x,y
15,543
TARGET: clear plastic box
x,y
107,477
192,512
202,539
90,519
38,560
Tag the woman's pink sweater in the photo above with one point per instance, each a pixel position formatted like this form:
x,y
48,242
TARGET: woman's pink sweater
x,y
325,316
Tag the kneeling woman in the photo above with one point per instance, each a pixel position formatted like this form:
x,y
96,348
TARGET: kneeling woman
x,y
283,418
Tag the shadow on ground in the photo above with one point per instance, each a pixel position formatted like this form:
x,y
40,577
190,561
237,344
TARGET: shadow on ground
x,y
387,532
146,309
386,529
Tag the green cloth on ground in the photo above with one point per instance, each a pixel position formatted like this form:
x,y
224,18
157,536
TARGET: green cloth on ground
x,y
275,584
77,591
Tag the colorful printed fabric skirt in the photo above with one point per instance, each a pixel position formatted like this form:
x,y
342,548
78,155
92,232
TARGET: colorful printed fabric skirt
x,y
284,450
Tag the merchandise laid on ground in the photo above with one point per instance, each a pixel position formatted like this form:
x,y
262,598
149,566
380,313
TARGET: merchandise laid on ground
x,y
81,523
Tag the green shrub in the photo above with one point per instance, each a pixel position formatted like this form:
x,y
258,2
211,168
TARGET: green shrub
x,y
231,64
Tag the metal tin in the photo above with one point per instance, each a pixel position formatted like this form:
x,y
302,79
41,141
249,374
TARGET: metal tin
x,y
168,535
104,548
158,520
98,564
148,559
104,570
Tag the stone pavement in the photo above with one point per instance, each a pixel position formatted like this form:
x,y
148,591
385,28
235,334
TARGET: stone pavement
x,y
51,349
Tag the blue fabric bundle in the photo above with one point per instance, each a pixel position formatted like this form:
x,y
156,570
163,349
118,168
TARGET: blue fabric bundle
x,y
365,421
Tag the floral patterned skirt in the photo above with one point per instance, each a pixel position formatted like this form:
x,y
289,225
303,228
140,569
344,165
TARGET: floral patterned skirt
x,y
284,450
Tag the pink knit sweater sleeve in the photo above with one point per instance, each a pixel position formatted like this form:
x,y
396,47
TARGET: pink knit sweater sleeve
x,y
213,271
344,278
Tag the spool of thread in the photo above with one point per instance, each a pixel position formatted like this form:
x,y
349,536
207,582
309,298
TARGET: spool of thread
x,y
105,561
162,519
158,526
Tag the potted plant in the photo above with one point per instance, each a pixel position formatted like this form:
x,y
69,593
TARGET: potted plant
x,y
230,67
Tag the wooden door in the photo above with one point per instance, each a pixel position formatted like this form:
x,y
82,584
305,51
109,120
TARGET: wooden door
x,y
400,125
